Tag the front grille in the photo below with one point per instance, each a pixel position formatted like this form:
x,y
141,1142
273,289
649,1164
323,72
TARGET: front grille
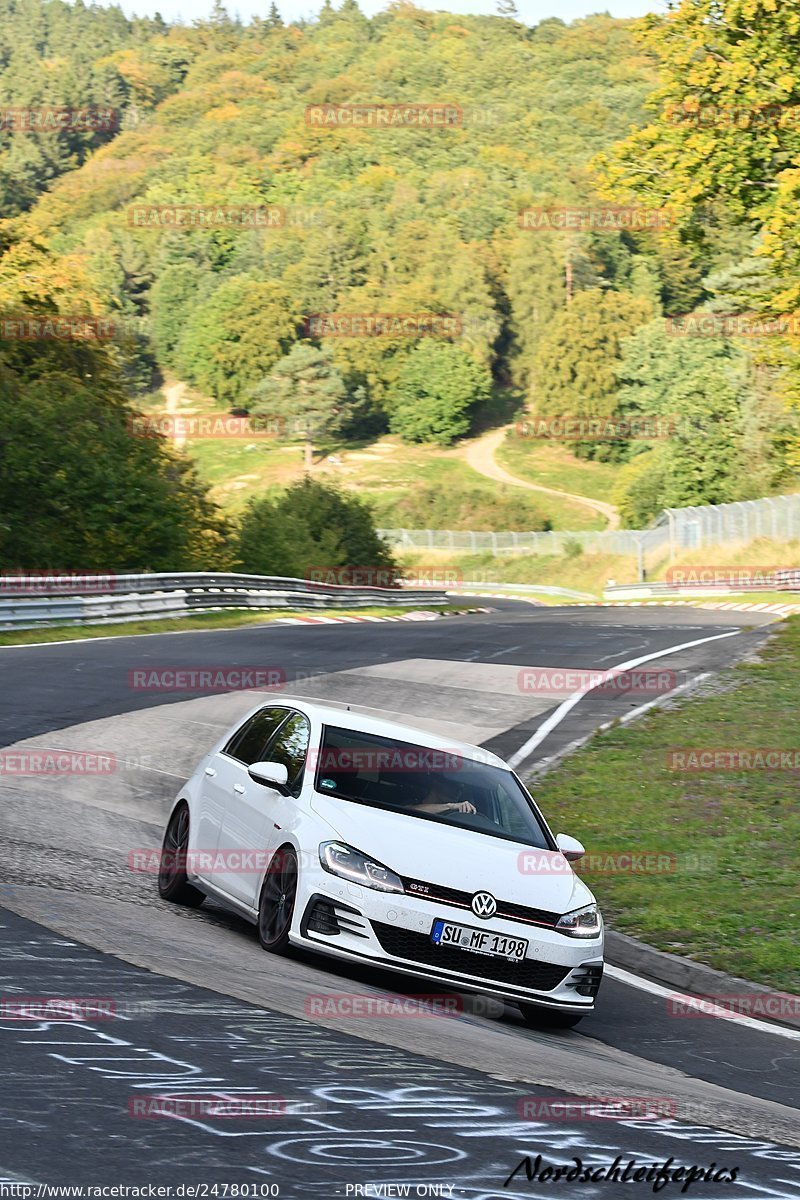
x,y
459,899
418,947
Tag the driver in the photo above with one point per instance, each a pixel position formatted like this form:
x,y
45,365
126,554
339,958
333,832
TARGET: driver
x,y
440,799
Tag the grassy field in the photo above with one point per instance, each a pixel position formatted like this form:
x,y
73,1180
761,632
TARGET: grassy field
x,y
552,465
733,900
229,620
411,486
585,573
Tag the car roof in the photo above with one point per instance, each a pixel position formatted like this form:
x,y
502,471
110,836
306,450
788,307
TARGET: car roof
x,y
363,719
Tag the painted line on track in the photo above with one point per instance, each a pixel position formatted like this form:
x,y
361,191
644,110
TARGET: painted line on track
x,y
555,719
705,1006
622,976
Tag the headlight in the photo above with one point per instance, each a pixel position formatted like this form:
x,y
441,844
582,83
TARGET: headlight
x,y
351,864
582,923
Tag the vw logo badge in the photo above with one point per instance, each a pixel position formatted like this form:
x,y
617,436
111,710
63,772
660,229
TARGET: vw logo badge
x,y
484,905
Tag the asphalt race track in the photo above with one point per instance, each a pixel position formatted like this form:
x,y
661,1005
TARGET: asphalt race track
x,y
433,1103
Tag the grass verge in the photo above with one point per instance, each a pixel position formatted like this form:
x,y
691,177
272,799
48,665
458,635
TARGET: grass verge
x,y
738,909
554,465
223,620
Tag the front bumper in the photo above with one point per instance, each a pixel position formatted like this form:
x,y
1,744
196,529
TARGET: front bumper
x,y
393,931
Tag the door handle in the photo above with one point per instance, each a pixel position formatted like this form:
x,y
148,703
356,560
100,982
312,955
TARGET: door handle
x,y
210,771
239,787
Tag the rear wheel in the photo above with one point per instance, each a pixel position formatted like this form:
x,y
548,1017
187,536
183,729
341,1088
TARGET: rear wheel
x,y
276,907
547,1018
172,882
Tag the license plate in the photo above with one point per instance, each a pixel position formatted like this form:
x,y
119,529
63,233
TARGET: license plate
x,y
478,941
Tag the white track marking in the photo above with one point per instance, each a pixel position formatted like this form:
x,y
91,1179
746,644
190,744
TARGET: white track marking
x,y
547,727
713,1010
637,712
629,716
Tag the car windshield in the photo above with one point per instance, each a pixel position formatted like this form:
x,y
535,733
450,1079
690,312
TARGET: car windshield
x,y
429,784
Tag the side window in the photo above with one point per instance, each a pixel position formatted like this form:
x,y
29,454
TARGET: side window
x,y
247,744
290,747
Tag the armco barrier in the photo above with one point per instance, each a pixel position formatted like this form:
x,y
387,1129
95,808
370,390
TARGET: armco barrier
x,y
470,588
129,597
784,581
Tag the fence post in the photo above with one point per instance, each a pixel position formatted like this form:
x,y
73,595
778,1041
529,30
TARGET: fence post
x,y
640,557
672,536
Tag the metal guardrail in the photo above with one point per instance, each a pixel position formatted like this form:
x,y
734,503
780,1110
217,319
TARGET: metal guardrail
x,y
111,599
783,581
468,587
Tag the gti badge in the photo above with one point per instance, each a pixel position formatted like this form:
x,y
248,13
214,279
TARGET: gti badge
x,y
484,905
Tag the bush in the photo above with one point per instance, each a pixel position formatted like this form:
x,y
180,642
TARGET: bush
x,y
311,525
446,507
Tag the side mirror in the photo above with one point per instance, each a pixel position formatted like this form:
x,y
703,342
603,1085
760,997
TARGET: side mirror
x,y
270,774
570,847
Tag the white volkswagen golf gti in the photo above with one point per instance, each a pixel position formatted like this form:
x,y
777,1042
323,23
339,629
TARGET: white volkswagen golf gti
x,y
377,842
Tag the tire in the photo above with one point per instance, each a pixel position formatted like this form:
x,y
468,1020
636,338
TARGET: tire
x,y
276,906
547,1018
172,882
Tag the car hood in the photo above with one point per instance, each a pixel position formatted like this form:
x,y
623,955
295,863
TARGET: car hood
x,y
456,858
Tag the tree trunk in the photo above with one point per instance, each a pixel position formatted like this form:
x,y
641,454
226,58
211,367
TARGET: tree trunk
x,y
308,457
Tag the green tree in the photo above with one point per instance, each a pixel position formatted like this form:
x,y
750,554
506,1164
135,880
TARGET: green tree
x,y
232,339
575,367
306,392
537,295
176,291
79,490
437,389
700,389
726,67
311,525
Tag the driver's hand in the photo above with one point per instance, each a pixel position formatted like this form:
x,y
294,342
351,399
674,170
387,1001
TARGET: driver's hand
x,y
464,806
